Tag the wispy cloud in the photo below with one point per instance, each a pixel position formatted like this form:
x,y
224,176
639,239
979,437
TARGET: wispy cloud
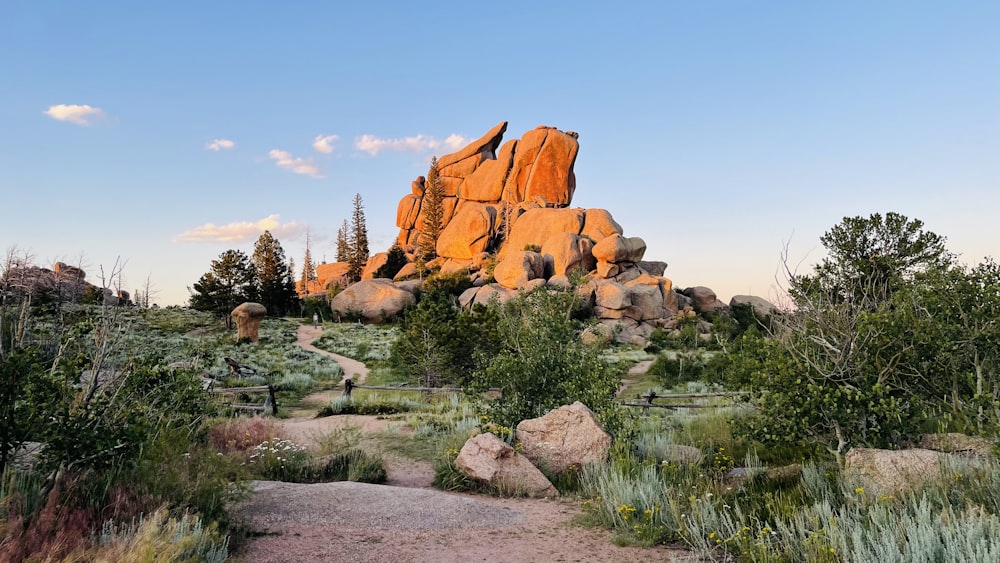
x,y
220,144
324,143
297,165
80,115
417,143
241,231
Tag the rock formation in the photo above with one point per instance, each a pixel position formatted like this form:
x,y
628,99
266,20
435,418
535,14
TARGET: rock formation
x,y
490,460
376,300
513,201
62,282
892,471
508,204
247,317
564,439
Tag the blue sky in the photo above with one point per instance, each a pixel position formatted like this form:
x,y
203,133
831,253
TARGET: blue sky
x,y
717,131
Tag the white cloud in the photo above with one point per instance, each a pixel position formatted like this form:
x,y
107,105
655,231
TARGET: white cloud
x,y
418,143
324,143
455,141
80,115
297,165
220,144
241,231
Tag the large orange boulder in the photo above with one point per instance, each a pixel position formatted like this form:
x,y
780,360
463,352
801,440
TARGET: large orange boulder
x,y
374,263
407,211
469,232
618,249
455,167
487,143
376,300
598,224
332,274
486,183
569,252
543,167
535,226
518,268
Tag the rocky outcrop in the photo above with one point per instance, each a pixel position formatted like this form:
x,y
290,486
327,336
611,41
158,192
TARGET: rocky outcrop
x,y
543,167
704,300
332,274
488,459
374,263
568,252
486,294
564,439
469,232
615,254
518,268
247,317
762,308
375,301
511,202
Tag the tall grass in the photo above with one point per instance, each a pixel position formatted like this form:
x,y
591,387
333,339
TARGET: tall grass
x,y
813,515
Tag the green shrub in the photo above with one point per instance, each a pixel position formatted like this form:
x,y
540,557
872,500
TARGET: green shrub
x,y
542,363
349,405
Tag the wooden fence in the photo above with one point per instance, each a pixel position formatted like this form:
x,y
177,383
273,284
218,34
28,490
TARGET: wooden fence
x,y
350,385
652,396
269,403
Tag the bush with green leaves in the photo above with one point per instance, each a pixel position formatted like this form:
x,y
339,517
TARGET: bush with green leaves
x,y
441,343
888,338
542,364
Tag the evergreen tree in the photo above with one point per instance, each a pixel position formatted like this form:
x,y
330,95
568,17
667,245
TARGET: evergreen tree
x,y
343,248
433,212
393,264
308,268
229,282
357,242
275,288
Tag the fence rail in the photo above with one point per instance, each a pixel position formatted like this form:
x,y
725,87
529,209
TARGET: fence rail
x,y
350,385
653,396
269,403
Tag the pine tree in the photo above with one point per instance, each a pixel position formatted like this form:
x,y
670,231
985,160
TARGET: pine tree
x,y
275,288
229,282
308,268
433,212
357,242
343,248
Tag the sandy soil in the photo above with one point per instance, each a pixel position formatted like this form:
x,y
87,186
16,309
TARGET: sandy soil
x,y
406,520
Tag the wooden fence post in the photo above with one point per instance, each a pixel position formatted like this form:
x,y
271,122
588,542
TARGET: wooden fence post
x,y
274,401
348,385
649,401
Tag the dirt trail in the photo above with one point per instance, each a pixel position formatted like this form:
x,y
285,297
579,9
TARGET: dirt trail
x,y
406,520
352,368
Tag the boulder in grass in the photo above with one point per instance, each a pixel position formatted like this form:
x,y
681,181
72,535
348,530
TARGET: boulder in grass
x,y
564,439
488,459
247,317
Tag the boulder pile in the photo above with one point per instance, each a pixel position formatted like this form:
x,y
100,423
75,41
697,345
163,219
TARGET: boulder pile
x,y
508,223
63,282
562,441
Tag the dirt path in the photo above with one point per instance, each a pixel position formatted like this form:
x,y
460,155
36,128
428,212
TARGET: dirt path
x,y
406,520
352,368
634,374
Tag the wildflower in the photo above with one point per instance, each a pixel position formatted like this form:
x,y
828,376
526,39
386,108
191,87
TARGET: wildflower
x,y
860,490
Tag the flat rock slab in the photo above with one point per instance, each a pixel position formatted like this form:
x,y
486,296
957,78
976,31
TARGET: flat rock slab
x,y
362,505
